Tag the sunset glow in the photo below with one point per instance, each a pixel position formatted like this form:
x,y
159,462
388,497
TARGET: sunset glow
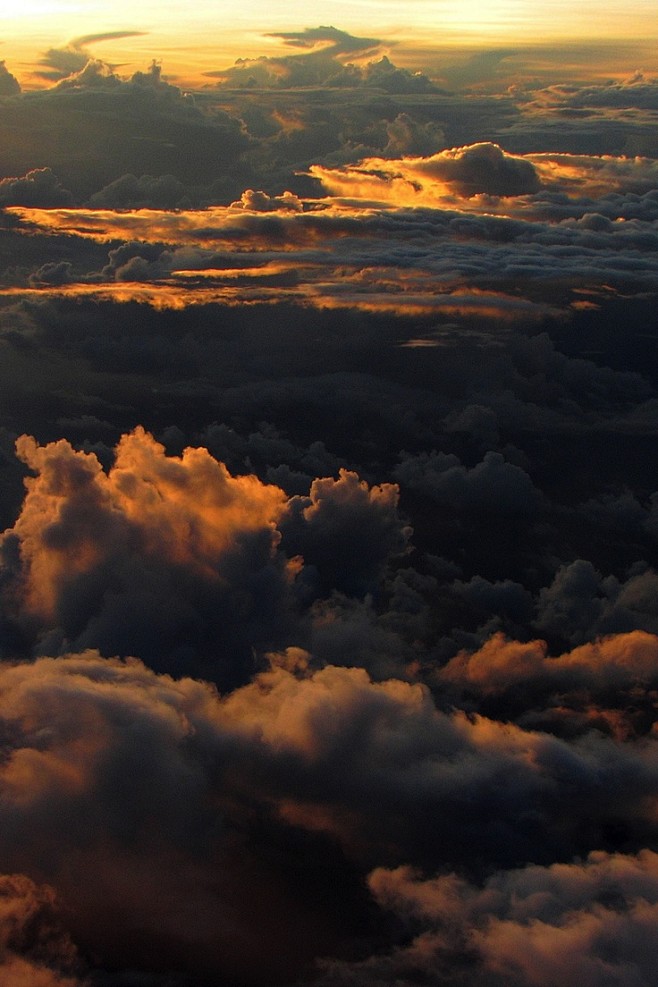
x,y
191,41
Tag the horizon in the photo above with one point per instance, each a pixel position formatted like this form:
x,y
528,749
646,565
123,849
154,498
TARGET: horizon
x,y
614,42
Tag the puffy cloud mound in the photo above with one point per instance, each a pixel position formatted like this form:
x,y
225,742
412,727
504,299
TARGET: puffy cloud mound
x,y
592,923
39,188
608,685
126,792
493,485
262,202
175,559
170,553
619,662
145,192
184,830
476,169
482,168
346,512
9,85
35,950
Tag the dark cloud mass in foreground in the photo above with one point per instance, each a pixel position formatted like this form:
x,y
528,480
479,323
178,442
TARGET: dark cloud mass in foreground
x,y
329,513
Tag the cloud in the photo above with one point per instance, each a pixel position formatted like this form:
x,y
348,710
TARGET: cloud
x,y
486,170
324,63
345,512
93,39
592,922
138,126
482,168
100,558
478,169
329,38
39,188
262,202
145,768
492,485
35,948
9,85
617,662
234,682
166,865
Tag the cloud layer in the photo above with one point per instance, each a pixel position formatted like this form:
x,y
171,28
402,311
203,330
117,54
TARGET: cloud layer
x,y
328,564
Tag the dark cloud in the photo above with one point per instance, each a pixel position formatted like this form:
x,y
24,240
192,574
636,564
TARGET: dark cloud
x,y
145,768
483,168
602,912
492,485
9,85
39,188
95,557
141,126
329,38
145,192
35,948
340,513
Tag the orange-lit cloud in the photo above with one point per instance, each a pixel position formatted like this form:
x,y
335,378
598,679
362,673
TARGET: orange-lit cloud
x,y
177,551
476,176
190,512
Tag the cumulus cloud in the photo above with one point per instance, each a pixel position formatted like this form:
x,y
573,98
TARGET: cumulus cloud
x,y
590,922
102,557
492,485
165,862
9,85
345,512
478,169
174,558
145,192
262,202
306,690
35,948
39,188
482,168
483,171
325,63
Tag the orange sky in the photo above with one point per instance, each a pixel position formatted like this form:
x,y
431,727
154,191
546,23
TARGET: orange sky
x,y
214,34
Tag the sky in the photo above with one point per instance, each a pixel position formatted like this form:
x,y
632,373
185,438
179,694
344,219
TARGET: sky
x,y
328,502
214,33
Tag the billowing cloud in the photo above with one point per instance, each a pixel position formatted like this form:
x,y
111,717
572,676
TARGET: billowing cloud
x,y
262,202
492,485
146,769
40,188
100,558
479,169
9,85
325,62
590,922
35,948
346,512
